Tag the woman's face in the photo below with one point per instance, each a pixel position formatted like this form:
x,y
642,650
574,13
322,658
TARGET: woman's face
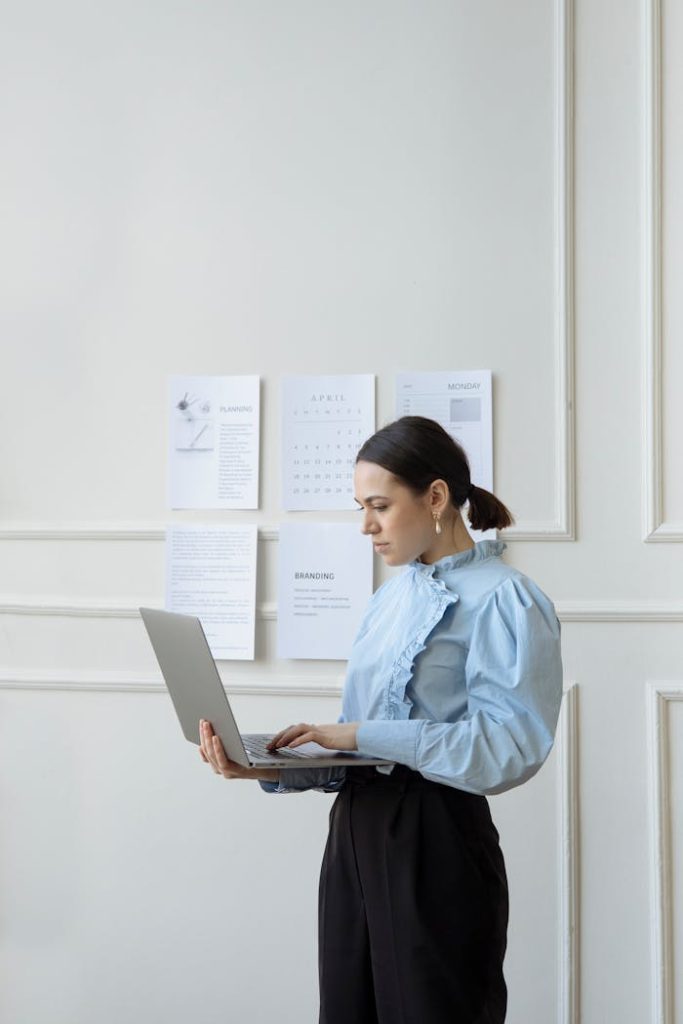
x,y
400,523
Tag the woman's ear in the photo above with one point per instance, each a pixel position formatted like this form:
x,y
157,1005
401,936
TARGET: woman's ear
x,y
439,496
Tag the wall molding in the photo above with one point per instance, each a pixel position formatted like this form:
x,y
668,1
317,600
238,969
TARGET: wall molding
x,y
100,681
266,611
655,528
149,531
564,525
659,696
569,870
619,611
95,608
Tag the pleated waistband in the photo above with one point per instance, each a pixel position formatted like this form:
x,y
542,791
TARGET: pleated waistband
x,y
399,776
406,780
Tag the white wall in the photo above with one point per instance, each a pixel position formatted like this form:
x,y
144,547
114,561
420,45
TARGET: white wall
x,y
323,187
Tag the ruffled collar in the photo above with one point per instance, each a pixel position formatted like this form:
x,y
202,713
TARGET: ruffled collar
x,y
482,550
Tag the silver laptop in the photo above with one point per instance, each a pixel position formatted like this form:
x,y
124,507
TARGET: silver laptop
x,y
192,678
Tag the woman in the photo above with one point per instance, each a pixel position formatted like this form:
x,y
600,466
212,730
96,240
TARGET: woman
x,y
456,676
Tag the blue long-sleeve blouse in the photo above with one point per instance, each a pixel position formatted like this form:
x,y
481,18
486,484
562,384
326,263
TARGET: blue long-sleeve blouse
x,y
455,672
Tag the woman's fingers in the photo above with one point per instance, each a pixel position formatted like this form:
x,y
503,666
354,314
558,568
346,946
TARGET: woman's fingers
x,y
212,751
340,736
285,737
202,741
224,765
220,761
277,741
206,735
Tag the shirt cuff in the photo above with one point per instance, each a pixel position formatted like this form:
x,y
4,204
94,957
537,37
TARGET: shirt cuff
x,y
298,780
395,741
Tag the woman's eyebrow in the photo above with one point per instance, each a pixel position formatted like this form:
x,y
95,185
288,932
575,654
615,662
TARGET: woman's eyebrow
x,y
371,497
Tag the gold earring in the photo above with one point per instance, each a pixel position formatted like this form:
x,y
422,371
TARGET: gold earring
x,y
437,524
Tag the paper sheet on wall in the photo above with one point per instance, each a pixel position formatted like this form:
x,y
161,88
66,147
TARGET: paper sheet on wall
x,y
325,421
324,585
211,573
213,442
461,401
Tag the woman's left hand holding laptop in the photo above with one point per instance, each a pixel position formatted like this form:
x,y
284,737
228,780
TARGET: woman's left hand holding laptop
x,y
211,751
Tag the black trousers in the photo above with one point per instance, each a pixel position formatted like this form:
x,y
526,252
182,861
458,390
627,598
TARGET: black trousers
x,y
413,905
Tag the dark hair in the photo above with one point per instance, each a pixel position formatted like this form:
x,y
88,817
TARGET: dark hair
x,y
418,451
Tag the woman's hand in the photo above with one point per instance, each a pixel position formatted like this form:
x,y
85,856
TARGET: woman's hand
x,y
212,751
341,736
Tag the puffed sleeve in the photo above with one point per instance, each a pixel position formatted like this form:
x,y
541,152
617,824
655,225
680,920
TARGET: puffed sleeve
x,y
514,689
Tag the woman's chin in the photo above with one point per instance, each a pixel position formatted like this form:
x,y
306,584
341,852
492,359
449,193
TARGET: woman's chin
x,y
392,558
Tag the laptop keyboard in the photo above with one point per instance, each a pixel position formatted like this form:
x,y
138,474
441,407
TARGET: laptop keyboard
x,y
256,745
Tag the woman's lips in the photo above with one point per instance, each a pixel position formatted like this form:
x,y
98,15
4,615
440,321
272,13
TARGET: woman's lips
x,y
378,547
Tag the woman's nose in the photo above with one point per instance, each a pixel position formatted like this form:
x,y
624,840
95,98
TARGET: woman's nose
x,y
368,525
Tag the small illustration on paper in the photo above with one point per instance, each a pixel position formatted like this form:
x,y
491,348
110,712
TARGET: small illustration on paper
x,y
194,427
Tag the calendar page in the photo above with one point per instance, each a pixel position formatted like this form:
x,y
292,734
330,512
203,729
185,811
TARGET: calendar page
x,y
461,401
325,421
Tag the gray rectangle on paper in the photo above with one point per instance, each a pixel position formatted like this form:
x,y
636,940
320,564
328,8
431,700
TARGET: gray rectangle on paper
x,y
465,410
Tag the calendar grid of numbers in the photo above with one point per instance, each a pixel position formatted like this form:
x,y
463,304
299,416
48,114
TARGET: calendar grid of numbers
x,y
325,421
